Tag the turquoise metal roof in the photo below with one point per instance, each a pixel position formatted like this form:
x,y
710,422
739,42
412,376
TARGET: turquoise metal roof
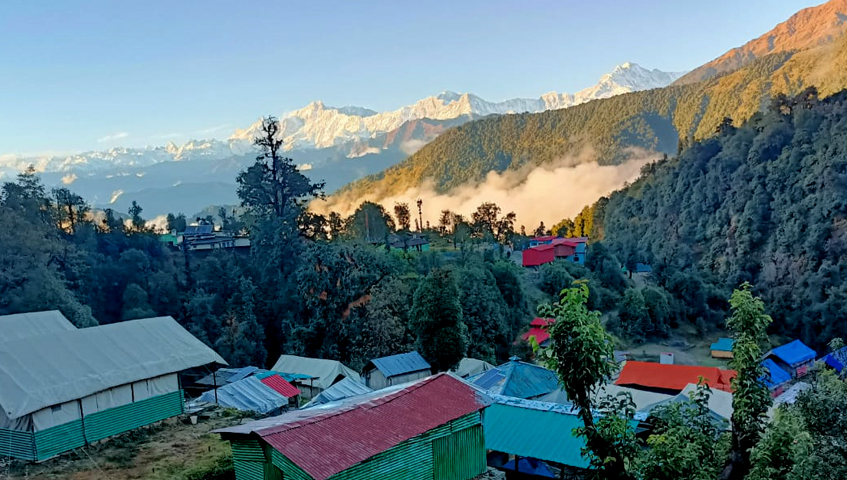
x,y
723,345
546,435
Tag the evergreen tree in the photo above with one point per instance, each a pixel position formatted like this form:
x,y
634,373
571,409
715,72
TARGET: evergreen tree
x,y
437,321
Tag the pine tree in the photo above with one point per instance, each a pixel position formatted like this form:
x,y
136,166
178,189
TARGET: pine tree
x,y
437,321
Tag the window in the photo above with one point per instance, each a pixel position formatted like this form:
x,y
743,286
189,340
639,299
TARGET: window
x,y
56,408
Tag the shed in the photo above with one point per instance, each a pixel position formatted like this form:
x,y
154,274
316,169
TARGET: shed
x,y
395,369
324,372
23,325
391,433
671,379
471,366
538,329
775,376
69,388
794,357
722,348
535,256
517,379
344,389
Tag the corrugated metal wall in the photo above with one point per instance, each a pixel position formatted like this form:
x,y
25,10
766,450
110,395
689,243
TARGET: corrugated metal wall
x,y
117,420
58,439
288,468
14,443
249,459
460,455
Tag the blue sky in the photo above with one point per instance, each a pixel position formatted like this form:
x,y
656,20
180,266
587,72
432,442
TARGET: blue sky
x,y
95,74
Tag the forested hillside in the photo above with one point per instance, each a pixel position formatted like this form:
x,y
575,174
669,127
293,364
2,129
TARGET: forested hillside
x,y
765,202
660,120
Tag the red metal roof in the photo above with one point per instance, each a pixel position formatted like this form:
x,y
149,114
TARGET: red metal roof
x,y
538,330
281,386
541,322
325,441
673,377
532,257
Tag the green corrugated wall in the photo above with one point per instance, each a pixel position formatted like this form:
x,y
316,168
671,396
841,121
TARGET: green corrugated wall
x,y
58,439
14,443
460,455
121,419
288,468
249,459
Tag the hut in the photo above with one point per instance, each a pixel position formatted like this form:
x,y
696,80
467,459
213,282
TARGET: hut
x,y
517,379
671,379
722,348
538,330
391,433
65,388
794,357
395,369
321,373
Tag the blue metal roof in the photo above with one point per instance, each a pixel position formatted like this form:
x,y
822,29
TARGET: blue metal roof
x,y
723,345
399,364
776,376
794,353
517,379
249,394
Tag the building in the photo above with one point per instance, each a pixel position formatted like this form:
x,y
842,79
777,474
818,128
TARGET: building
x,y
547,249
200,238
794,357
24,325
344,389
395,369
516,379
321,373
837,359
671,379
266,394
722,348
640,398
409,243
538,330
63,388
431,428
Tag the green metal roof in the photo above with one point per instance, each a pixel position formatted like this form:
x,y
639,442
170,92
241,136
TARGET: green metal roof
x,y
546,435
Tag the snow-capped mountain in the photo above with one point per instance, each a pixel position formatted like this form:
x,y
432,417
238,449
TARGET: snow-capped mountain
x,y
321,126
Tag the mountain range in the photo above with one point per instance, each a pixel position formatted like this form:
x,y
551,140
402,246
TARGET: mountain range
x,y
809,49
335,144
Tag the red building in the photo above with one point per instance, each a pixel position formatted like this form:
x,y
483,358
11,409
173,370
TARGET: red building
x,y
533,257
538,329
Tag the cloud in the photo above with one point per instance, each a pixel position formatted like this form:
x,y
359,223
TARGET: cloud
x,y
69,178
213,129
115,195
545,193
113,137
411,146
158,224
304,166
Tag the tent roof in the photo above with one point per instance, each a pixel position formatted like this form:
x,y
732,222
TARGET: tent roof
x,y
775,374
672,377
248,394
837,359
344,389
328,439
22,325
399,364
46,370
326,371
723,345
517,379
794,353
472,366
641,398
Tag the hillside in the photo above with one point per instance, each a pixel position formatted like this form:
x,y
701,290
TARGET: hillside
x,y
806,29
608,129
763,203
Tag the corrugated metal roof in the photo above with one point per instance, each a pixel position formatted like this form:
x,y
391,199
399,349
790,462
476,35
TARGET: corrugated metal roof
x,y
672,377
50,369
517,379
399,364
723,345
774,375
280,385
248,394
23,325
546,435
793,353
331,438
344,389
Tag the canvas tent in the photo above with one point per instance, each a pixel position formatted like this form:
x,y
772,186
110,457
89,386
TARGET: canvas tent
x,y
68,388
324,372
23,325
344,389
471,366
268,395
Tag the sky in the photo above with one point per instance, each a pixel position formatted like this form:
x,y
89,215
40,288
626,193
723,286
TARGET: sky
x,y
94,74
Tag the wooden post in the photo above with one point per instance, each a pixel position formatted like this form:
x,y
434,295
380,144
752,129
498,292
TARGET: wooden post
x,y
215,384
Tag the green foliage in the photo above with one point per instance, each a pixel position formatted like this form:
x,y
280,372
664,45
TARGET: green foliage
x,y
686,442
751,397
437,321
634,317
484,312
783,447
370,222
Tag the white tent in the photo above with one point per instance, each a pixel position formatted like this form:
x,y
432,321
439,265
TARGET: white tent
x,y
471,366
325,371
23,325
